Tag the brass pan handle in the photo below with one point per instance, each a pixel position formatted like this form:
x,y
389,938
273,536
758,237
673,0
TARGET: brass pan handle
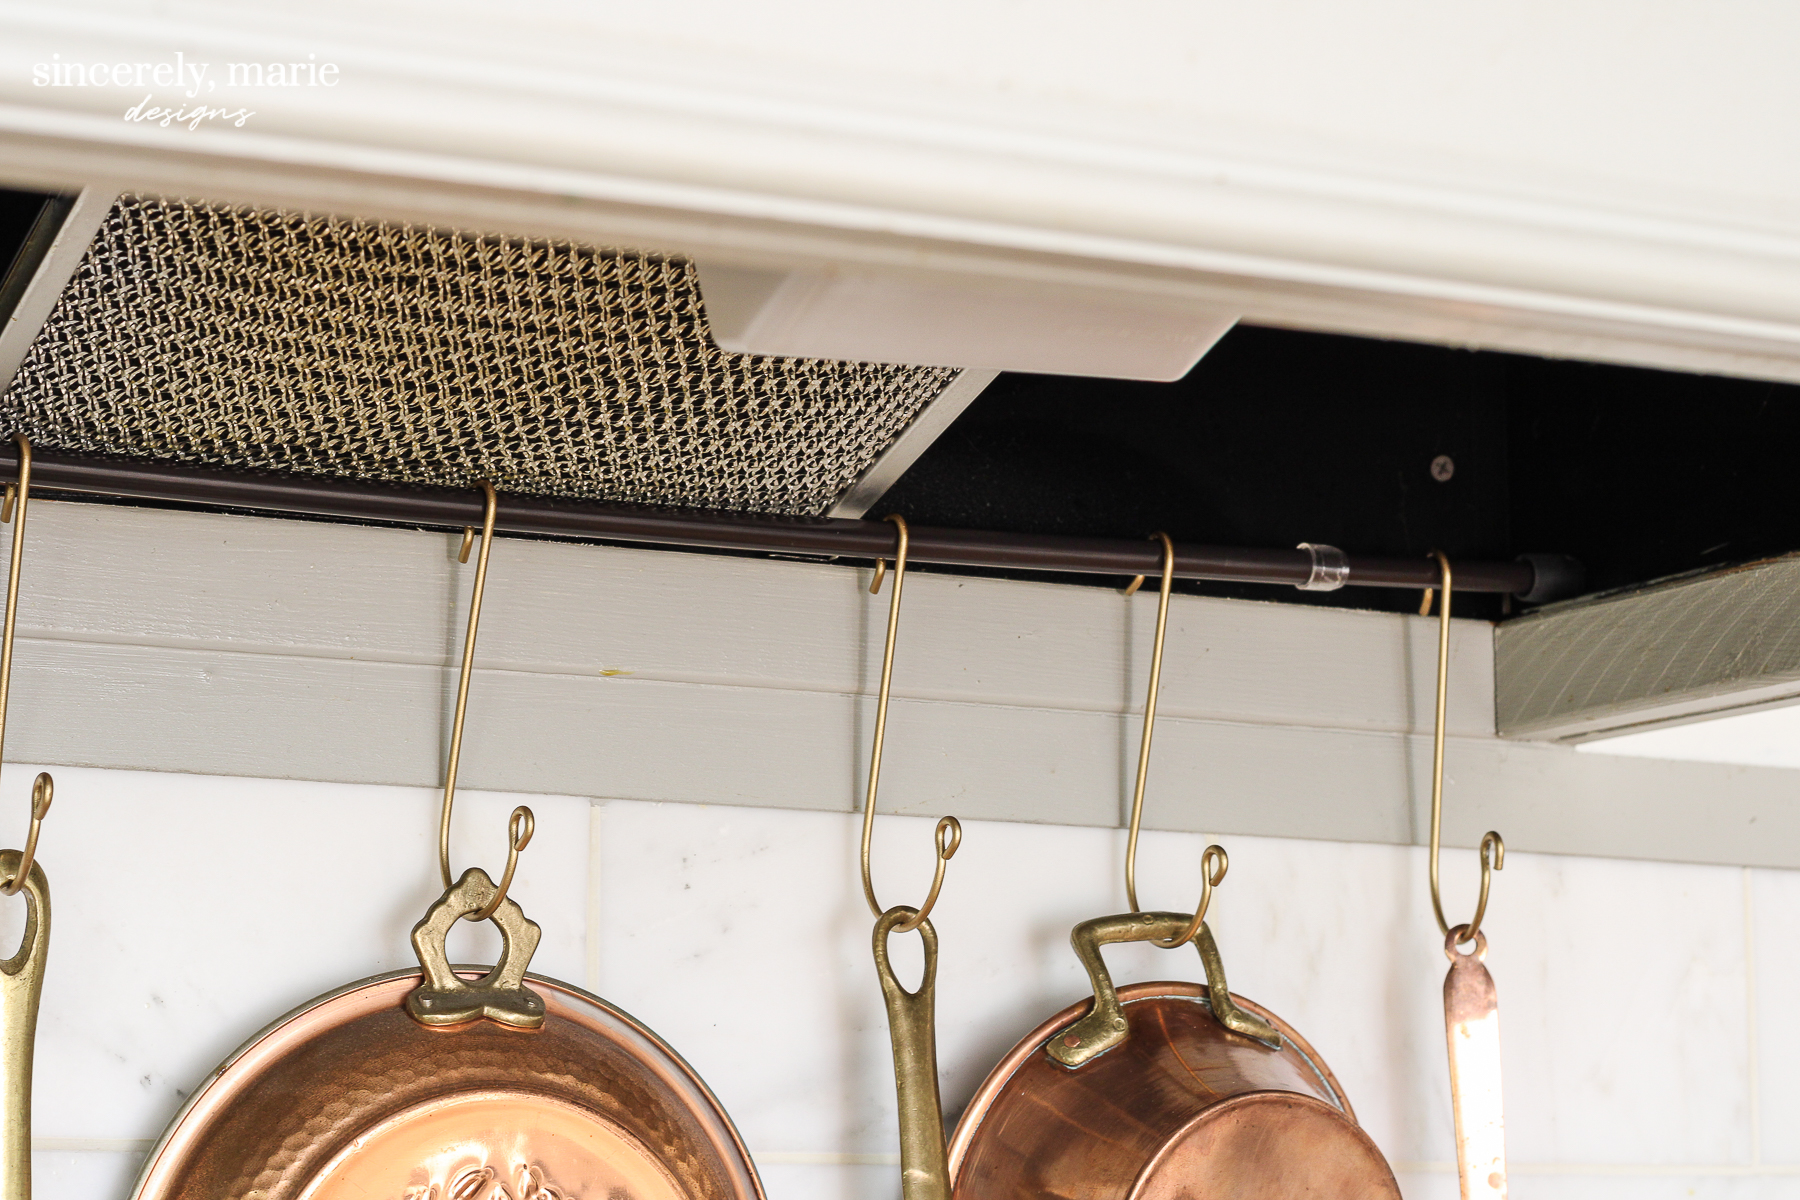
x,y
912,1023
444,998
21,983
1105,1025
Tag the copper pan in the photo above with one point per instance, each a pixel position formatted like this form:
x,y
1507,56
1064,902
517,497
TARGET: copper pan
x,y
454,1084
1162,1090
1166,1090
464,1084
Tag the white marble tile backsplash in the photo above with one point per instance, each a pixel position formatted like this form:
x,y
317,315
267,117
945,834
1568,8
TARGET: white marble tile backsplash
x,y
190,911
1773,911
1645,1005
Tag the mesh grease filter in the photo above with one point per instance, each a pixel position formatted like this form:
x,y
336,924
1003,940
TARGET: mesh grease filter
x,y
254,339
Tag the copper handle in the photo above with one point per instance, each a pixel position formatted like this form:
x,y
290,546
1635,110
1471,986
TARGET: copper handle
x,y
444,998
1472,1029
912,1024
21,983
1105,1025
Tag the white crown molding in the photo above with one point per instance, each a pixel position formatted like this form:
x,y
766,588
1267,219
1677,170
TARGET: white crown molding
x,y
711,154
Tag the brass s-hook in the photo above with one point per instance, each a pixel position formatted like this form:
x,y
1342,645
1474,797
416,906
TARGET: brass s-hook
x,y
523,824
43,789
1493,849
1213,865
1215,862
519,831
1143,767
949,829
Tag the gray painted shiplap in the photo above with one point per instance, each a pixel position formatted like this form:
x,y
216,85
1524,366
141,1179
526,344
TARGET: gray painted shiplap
x,y
242,646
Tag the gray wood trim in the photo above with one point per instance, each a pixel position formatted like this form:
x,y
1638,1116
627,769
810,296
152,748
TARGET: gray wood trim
x,y
1676,652
256,647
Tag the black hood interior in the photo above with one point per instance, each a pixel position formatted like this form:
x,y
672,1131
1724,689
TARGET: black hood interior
x,y
1377,447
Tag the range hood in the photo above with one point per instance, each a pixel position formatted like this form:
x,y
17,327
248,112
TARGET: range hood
x,y
259,339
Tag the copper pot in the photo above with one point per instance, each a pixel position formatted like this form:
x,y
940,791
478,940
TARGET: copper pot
x,y
457,1085
1162,1090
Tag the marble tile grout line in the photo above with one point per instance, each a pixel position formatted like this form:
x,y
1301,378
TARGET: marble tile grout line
x,y
592,980
824,1158
1753,1075
1619,1170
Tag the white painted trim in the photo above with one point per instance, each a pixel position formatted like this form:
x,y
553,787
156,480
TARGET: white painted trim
x,y
890,316
1668,331
730,153
47,282
913,441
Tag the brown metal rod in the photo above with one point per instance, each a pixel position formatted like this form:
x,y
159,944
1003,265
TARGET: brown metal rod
x,y
822,537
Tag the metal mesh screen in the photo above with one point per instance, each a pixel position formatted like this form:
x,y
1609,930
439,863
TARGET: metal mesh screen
x,y
247,338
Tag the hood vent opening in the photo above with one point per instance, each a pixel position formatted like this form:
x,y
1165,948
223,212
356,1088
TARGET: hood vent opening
x,y
251,339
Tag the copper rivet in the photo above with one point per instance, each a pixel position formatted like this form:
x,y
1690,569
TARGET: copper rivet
x,y
1072,1040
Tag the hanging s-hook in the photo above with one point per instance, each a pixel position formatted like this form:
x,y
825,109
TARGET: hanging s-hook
x,y
1215,862
1143,767
12,508
949,829
519,831
1213,865
522,825
43,791
1493,849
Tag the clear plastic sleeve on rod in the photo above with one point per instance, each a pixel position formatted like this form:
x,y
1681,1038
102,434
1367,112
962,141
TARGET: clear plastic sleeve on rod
x,y
1330,568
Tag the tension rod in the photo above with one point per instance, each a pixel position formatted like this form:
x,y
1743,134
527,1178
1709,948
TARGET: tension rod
x,y
1314,567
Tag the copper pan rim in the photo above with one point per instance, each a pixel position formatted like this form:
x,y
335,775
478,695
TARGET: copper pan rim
x,y
1034,1042
330,1010
1246,1100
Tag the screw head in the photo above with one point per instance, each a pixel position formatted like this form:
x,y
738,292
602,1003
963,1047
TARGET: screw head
x,y
1442,468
